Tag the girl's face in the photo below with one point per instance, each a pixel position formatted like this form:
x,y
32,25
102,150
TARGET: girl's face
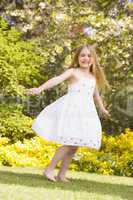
x,y
84,58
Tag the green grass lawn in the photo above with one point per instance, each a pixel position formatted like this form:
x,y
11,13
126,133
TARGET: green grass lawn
x,y
29,184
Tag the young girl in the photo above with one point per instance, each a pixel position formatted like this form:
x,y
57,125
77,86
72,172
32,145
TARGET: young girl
x,y
72,120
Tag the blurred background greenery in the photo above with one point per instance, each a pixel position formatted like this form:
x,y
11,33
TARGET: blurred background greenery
x,y
38,39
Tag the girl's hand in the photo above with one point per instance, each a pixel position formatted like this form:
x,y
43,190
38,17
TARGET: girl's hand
x,y
33,91
106,113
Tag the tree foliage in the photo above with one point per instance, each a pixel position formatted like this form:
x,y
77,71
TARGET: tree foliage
x,y
48,34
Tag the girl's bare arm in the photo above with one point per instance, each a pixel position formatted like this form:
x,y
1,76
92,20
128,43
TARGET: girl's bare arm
x,y
98,99
51,82
56,80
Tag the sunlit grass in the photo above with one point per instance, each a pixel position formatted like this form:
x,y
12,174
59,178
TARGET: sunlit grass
x,y
29,184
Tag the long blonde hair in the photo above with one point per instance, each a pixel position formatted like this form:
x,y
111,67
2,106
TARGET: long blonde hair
x,y
95,68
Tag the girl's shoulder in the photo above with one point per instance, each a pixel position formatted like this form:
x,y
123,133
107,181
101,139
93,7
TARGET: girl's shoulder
x,y
73,76
73,71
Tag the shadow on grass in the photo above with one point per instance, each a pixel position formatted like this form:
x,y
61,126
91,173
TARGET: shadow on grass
x,y
37,180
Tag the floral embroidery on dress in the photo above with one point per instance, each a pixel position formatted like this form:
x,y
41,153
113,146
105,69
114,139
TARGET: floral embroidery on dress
x,y
79,141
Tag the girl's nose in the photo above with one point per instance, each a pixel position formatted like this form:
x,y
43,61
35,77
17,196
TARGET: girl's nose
x,y
86,59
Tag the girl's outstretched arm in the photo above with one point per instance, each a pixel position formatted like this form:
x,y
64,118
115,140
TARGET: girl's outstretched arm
x,y
99,102
52,82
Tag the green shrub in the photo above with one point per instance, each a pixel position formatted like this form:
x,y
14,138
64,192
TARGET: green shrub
x,y
14,124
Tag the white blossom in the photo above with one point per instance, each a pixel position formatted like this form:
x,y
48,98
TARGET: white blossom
x,y
42,5
89,31
60,16
38,18
27,27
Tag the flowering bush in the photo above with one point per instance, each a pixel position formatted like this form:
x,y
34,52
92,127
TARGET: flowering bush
x,y
114,158
38,40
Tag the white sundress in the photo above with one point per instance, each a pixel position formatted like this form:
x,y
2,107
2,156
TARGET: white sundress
x,y
72,119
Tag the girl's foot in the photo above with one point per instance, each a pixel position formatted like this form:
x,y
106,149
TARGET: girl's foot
x,y
48,175
58,178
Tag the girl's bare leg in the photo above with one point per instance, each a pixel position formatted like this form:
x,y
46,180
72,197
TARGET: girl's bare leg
x,y
59,155
65,163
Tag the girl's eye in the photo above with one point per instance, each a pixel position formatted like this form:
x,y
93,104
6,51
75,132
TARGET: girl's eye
x,y
83,55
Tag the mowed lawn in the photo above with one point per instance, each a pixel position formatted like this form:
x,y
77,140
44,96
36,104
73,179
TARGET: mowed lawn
x,y
29,184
